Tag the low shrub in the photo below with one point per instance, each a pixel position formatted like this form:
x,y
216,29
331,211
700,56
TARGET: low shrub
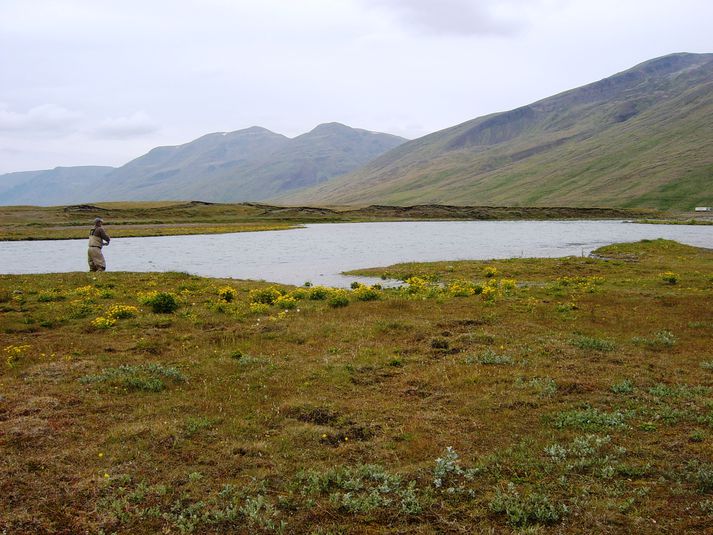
x,y
265,296
338,299
366,293
490,358
14,353
660,340
566,307
103,322
508,284
50,296
669,277
145,377
160,302
121,312
544,386
286,302
489,272
193,425
661,390
595,344
488,292
227,294
462,288
523,510
439,343
318,293
362,489
622,387
702,475
80,309
300,293
590,419
417,285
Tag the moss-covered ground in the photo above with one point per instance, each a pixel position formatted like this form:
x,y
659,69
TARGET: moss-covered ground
x,y
570,395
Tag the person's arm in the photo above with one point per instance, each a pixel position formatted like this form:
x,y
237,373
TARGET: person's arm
x,y
103,235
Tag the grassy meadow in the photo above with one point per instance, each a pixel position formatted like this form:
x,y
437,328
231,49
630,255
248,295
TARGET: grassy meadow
x,y
570,395
134,219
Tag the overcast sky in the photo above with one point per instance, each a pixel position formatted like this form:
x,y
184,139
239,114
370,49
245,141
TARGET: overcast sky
x,y
100,82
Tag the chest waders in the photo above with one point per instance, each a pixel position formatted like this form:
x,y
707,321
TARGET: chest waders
x,y
95,256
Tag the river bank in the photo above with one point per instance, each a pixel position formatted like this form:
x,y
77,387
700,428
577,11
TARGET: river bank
x,y
186,218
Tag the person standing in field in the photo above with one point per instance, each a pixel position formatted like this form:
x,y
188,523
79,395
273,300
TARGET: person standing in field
x,y
98,238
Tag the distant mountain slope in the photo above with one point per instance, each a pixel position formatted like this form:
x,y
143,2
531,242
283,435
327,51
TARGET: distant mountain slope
x,y
60,185
247,165
641,138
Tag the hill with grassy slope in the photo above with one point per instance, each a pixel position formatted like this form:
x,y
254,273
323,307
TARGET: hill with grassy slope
x,y
640,138
246,165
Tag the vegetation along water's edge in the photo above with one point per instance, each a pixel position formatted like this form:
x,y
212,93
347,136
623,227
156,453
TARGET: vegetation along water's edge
x,y
568,394
176,218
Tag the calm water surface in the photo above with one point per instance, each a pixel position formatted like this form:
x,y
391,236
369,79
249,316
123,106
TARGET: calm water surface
x,y
320,252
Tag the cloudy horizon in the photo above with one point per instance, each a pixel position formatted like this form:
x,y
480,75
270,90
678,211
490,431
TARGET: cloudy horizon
x,y
102,82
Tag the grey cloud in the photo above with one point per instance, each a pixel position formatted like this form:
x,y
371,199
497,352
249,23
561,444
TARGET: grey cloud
x,y
134,125
43,119
455,17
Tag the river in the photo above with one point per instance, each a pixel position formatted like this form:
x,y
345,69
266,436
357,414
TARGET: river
x,y
318,253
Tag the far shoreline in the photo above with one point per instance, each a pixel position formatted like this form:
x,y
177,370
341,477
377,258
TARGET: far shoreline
x,y
180,218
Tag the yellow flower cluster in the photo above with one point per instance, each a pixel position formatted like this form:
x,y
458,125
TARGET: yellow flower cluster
x,y
120,312
13,353
103,323
146,298
366,293
508,284
489,272
461,288
300,293
86,292
227,294
489,292
583,284
669,277
266,296
496,288
286,302
417,284
338,298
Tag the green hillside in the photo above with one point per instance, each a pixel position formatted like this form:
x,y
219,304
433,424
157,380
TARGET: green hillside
x,y
641,138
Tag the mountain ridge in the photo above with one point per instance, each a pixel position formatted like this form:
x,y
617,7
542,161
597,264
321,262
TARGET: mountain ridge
x,y
592,144
642,137
250,164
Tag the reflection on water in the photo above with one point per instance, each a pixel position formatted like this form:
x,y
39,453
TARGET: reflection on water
x,y
318,253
